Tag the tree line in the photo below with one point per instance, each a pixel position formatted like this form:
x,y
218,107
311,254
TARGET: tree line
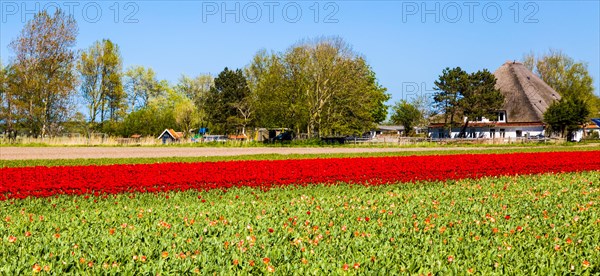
x,y
319,87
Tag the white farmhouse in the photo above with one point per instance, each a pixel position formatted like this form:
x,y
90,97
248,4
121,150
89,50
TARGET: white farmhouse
x,y
526,98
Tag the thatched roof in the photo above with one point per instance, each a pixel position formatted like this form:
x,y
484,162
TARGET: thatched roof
x,y
526,96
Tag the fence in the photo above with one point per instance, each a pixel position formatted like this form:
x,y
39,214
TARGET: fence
x,y
94,140
381,140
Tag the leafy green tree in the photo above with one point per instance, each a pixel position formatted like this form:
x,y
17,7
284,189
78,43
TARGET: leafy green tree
x,y
186,115
470,95
100,68
228,104
566,115
407,115
141,85
277,103
11,114
42,74
197,90
358,103
449,89
569,78
147,121
112,82
156,116
336,83
89,67
480,98
5,100
378,96
318,86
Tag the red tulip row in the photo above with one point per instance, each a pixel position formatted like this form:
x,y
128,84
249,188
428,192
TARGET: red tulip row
x,y
76,180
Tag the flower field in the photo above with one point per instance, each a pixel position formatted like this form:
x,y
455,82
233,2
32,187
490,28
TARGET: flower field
x,y
462,214
78,180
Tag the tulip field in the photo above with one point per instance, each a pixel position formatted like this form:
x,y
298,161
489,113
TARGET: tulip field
x,y
516,213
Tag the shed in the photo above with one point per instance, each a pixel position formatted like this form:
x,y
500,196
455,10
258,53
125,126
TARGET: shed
x,y
170,136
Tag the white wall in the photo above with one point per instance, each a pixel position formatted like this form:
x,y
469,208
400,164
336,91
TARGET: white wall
x,y
578,135
509,132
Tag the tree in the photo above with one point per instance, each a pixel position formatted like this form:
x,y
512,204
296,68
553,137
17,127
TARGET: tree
x,y
358,103
319,86
566,115
277,103
228,102
407,115
156,116
335,82
423,104
4,99
9,116
449,88
378,96
567,77
90,68
43,72
197,90
100,68
471,95
141,86
480,98
186,115
112,85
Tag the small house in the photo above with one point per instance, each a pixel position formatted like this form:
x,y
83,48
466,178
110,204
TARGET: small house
x,y
170,136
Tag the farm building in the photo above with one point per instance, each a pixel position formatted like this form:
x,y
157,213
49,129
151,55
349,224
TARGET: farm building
x,y
170,136
391,130
526,98
589,130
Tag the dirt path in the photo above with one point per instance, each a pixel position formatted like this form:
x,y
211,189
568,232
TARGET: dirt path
x,y
27,153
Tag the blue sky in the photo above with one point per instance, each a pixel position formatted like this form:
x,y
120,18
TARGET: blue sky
x,y
408,43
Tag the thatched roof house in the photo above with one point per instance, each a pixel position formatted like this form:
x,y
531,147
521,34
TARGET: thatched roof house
x,y
526,96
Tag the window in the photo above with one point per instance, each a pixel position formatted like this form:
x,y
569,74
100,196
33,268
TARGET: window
x,y
501,116
519,133
492,133
502,132
441,133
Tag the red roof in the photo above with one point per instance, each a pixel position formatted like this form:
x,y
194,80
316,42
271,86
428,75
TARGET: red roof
x,y
237,137
592,127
